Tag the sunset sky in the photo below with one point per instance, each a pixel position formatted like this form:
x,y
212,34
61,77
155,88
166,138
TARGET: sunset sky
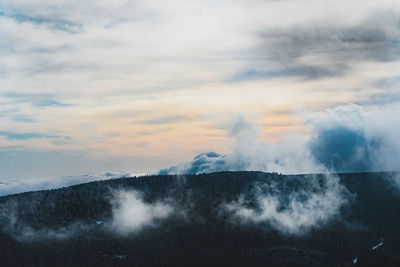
x,y
139,85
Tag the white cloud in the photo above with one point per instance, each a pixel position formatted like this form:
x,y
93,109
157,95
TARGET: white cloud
x,y
347,138
33,184
295,212
131,213
182,57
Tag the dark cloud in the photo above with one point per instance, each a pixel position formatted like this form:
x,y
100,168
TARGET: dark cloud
x,y
343,44
314,51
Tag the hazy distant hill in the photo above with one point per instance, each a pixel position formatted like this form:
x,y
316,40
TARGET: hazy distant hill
x,y
218,219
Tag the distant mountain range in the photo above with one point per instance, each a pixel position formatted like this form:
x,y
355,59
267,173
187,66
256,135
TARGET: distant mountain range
x,y
216,219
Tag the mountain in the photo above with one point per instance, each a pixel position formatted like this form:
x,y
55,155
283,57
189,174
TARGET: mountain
x,y
217,219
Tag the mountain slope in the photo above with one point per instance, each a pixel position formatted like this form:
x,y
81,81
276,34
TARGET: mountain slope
x,y
219,219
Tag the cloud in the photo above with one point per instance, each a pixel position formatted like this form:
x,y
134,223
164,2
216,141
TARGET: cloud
x,y
50,103
343,149
326,49
162,62
24,185
293,209
56,23
13,220
36,99
23,118
365,138
15,116
202,163
24,136
130,212
165,120
249,153
395,180
348,138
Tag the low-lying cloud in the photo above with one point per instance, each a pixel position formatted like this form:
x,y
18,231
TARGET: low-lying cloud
x,y
312,205
12,223
25,185
347,138
131,213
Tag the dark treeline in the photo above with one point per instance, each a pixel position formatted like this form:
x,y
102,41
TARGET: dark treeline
x,y
198,232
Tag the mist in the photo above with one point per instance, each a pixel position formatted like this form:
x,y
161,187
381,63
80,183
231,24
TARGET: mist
x,y
11,222
350,138
293,210
131,213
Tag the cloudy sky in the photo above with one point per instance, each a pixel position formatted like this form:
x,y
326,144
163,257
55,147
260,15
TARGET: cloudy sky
x,y
139,85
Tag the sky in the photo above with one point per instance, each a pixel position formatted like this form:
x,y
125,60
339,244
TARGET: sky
x,y
92,86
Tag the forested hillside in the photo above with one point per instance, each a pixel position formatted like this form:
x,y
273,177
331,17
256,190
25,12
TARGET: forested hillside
x,y
219,219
